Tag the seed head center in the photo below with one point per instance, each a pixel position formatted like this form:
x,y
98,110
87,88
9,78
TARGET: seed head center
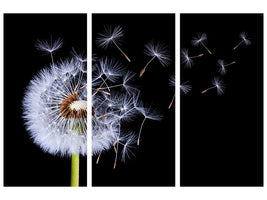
x,y
72,107
78,105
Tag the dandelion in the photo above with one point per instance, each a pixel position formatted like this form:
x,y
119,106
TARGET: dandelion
x,y
223,66
55,108
186,59
185,88
172,84
156,50
111,36
244,40
200,39
217,84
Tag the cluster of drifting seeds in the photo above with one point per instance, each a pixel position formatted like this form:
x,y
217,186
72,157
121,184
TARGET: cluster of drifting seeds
x,y
188,61
115,99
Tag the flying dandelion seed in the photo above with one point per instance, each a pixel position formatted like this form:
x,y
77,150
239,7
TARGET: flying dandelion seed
x,y
172,84
188,60
49,47
156,50
148,113
111,36
200,40
55,108
217,84
222,65
185,88
244,40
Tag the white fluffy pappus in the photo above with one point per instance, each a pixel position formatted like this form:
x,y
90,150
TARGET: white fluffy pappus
x,y
115,105
55,107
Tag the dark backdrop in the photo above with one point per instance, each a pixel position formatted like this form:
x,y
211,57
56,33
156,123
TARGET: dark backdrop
x,y
222,136
154,161
25,164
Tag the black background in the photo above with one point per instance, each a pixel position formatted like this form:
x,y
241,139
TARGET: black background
x,y
154,161
24,163
222,136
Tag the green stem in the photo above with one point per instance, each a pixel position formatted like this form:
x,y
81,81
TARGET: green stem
x,y
74,170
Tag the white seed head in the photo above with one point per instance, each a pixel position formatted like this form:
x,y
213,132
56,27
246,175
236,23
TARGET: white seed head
x,y
49,108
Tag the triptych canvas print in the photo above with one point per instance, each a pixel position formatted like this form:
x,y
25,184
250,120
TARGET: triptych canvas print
x,y
130,100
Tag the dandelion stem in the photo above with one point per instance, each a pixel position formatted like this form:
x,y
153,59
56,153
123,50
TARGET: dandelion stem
x,y
206,48
138,140
75,170
170,105
121,51
204,91
238,45
144,69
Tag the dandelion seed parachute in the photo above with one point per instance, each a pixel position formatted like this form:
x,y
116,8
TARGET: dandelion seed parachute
x,y
244,40
222,65
49,46
185,88
200,40
111,35
217,84
186,59
55,107
156,50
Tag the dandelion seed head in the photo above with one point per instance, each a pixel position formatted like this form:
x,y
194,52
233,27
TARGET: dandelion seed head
x,y
55,109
